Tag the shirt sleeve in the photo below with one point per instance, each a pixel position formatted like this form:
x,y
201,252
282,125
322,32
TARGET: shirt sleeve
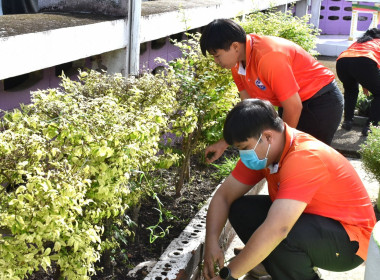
x,y
302,177
245,175
276,70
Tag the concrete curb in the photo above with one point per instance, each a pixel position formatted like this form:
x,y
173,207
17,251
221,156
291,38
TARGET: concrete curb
x,y
183,257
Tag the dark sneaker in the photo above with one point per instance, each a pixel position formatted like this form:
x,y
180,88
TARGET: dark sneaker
x,y
347,125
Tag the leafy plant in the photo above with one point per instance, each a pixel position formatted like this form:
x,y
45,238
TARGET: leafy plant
x,y
153,229
70,159
156,231
283,25
205,94
226,167
363,104
370,153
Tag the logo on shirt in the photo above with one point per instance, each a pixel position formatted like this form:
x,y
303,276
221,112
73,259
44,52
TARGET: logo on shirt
x,y
260,84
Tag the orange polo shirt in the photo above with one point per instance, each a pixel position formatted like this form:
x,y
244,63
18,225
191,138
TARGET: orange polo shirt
x,y
277,68
369,49
313,172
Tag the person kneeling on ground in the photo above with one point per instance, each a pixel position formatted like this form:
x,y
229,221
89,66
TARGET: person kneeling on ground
x,y
317,214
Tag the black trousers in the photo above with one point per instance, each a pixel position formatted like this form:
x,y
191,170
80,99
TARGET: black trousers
x,y
321,114
353,71
11,7
314,241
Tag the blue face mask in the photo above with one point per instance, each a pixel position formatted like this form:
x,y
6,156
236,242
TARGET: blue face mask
x,y
250,159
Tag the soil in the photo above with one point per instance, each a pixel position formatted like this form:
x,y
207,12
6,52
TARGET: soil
x,y
193,196
182,209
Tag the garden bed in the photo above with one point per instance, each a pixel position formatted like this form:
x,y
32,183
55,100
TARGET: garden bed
x,y
179,212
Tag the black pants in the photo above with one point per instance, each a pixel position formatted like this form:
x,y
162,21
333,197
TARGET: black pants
x,y
353,71
11,7
322,114
314,241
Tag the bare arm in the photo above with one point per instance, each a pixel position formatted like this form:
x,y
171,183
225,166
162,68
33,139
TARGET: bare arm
x,y
217,214
244,94
292,110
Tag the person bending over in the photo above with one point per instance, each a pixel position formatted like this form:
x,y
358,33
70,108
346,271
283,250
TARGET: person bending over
x,y
360,64
277,70
317,213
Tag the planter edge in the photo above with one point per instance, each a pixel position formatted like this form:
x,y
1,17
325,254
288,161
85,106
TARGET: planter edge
x,y
183,257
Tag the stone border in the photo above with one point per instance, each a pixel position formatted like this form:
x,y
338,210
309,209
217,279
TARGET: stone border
x,y
182,259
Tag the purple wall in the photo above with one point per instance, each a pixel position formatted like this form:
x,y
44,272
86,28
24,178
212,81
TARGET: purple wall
x,y
20,94
16,90
163,48
335,18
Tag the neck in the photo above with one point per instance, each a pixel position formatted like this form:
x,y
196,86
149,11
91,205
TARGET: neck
x,y
242,57
281,145
277,147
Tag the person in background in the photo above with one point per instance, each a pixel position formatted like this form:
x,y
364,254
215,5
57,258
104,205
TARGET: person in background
x,y
360,65
317,214
277,70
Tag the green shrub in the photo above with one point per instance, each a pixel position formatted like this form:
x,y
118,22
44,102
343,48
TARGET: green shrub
x,y
370,152
283,25
205,94
69,161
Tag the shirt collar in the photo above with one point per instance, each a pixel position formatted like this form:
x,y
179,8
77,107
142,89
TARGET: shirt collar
x,y
248,54
241,70
273,168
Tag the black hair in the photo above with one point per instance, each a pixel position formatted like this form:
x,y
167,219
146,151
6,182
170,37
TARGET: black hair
x,y
220,34
369,35
249,118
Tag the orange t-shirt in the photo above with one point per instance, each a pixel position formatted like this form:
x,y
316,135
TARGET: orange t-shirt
x,y
369,49
277,68
313,172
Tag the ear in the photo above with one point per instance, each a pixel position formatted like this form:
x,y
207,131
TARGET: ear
x,y
235,46
268,135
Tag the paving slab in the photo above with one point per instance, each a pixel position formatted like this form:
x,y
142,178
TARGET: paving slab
x,y
348,142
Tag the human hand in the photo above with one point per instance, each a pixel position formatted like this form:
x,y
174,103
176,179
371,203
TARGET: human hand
x,y
214,151
213,258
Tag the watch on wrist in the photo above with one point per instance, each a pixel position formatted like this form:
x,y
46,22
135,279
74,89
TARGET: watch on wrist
x,y
225,274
